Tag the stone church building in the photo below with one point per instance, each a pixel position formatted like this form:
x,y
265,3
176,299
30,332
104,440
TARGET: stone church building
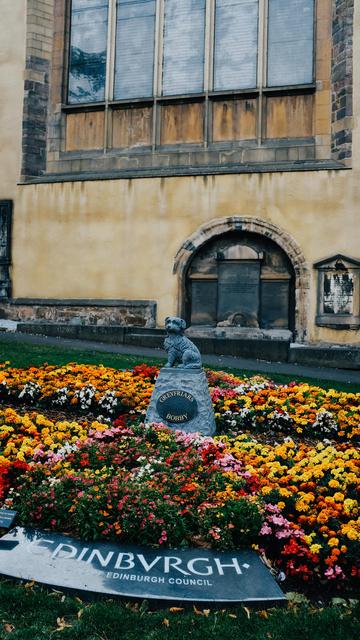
x,y
183,157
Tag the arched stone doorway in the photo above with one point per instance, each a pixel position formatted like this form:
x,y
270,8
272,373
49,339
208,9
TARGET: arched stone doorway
x,y
243,272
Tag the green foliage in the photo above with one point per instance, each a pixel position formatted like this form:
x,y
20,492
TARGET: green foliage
x,y
34,613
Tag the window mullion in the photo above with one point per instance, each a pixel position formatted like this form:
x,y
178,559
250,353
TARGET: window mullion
x,y
110,60
261,67
209,45
109,79
159,27
159,37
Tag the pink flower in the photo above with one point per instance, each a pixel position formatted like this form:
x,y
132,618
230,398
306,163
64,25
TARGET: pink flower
x,y
163,537
265,530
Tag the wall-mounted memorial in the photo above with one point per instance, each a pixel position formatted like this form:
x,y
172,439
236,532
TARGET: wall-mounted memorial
x,y
240,280
181,397
338,301
197,575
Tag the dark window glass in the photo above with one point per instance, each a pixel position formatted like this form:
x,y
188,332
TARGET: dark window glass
x,y
184,38
88,51
290,42
236,44
135,44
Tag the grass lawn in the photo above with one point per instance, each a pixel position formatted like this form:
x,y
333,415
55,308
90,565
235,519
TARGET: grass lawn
x,y
34,613
24,354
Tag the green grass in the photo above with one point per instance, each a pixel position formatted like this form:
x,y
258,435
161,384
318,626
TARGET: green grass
x,y
35,613
24,354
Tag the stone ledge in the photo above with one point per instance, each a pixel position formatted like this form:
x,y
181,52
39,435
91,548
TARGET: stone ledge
x,y
183,171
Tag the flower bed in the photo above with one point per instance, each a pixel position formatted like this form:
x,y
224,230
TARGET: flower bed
x,y
293,499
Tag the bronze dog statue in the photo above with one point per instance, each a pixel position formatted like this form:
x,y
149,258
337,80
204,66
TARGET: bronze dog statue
x,y
179,348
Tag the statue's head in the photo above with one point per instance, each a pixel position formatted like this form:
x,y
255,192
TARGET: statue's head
x,y
175,325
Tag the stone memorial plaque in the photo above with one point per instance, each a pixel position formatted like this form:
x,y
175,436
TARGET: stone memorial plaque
x,y
239,289
203,302
181,400
7,517
338,293
196,575
177,406
275,304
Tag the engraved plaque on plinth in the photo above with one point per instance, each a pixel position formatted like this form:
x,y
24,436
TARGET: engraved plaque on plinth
x,y
239,289
181,400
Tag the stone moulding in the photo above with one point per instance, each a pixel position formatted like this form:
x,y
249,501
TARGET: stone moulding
x,y
220,226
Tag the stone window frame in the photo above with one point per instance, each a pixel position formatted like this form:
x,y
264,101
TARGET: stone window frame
x,y
338,320
46,159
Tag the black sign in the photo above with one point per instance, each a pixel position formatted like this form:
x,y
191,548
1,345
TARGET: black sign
x,y
195,575
177,406
7,517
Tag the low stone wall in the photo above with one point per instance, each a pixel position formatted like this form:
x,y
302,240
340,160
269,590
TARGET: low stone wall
x,y
134,313
342,357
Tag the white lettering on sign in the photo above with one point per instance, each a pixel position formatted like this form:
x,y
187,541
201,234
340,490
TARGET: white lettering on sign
x,y
176,394
103,561
181,418
190,565
147,566
126,561
62,549
234,565
129,560
173,563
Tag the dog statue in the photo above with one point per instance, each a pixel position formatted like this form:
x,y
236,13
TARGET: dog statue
x,y
178,347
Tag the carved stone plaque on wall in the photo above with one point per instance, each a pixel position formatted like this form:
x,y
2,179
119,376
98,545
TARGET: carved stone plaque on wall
x,y
275,304
239,291
204,301
338,292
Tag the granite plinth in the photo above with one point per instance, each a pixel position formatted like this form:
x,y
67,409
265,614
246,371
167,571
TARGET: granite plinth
x,y
181,400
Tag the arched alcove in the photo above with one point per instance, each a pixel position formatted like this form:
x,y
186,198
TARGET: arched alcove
x,y
244,272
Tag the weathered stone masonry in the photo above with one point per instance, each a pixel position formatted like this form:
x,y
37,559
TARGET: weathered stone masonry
x,y
39,44
342,78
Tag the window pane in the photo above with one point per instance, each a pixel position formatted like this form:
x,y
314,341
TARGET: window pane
x,y
290,42
236,42
88,50
184,35
135,41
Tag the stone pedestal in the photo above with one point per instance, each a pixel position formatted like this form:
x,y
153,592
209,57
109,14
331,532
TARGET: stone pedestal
x,y
181,400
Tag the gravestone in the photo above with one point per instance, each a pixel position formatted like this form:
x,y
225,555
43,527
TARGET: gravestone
x,y
239,289
204,301
275,303
195,575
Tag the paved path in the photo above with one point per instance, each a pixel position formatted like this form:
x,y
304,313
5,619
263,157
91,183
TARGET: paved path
x,y
260,366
